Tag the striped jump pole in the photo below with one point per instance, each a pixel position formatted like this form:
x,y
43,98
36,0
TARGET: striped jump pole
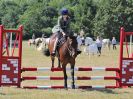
x,y
76,69
62,87
69,78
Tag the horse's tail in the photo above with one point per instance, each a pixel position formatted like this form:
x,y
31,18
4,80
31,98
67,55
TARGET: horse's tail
x,y
46,52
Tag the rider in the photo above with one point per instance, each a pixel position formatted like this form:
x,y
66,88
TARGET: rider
x,y
63,25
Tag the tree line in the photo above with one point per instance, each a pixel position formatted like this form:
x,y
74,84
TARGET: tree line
x,y
95,17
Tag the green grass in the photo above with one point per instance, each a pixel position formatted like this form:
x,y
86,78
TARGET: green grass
x,y
33,58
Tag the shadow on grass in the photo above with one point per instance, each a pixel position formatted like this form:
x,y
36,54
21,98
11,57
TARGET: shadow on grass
x,y
108,91
2,94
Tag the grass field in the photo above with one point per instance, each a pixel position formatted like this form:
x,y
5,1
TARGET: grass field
x,y
33,58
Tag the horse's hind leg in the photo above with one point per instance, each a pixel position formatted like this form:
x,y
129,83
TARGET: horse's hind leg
x,y
65,76
72,75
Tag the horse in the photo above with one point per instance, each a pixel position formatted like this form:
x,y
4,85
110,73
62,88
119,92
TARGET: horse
x,y
35,42
91,49
90,46
67,52
30,42
43,45
88,41
106,42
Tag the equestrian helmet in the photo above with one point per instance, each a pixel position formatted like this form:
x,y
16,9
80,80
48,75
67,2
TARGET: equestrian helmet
x,y
64,11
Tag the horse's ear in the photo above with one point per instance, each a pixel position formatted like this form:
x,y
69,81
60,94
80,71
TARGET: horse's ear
x,y
70,33
66,37
73,37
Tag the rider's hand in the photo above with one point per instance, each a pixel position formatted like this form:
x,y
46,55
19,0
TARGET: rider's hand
x,y
63,34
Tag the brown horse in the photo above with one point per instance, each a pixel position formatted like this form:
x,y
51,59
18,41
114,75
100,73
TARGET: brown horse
x,y
67,53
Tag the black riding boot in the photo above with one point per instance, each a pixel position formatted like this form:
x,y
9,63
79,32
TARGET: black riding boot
x,y
54,48
79,51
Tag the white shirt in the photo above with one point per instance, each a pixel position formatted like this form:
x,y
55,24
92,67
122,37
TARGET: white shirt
x,y
99,43
113,41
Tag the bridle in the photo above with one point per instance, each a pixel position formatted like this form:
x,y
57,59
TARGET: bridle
x,y
70,49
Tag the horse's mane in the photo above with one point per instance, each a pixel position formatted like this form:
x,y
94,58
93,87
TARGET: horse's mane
x,y
70,46
72,38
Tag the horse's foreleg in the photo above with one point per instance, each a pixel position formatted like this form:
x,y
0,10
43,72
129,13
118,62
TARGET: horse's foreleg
x,y
109,46
72,75
35,46
52,58
65,77
59,60
59,63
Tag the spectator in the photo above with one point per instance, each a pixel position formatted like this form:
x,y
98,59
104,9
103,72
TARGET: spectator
x,y
79,41
99,44
114,43
33,38
83,40
43,35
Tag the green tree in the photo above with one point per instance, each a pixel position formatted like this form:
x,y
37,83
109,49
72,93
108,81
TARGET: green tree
x,y
95,17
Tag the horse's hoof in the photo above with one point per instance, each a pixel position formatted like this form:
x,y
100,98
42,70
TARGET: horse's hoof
x,y
99,55
65,87
73,86
52,69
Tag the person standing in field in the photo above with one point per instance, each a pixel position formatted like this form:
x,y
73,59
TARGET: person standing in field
x,y
114,43
99,44
33,38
